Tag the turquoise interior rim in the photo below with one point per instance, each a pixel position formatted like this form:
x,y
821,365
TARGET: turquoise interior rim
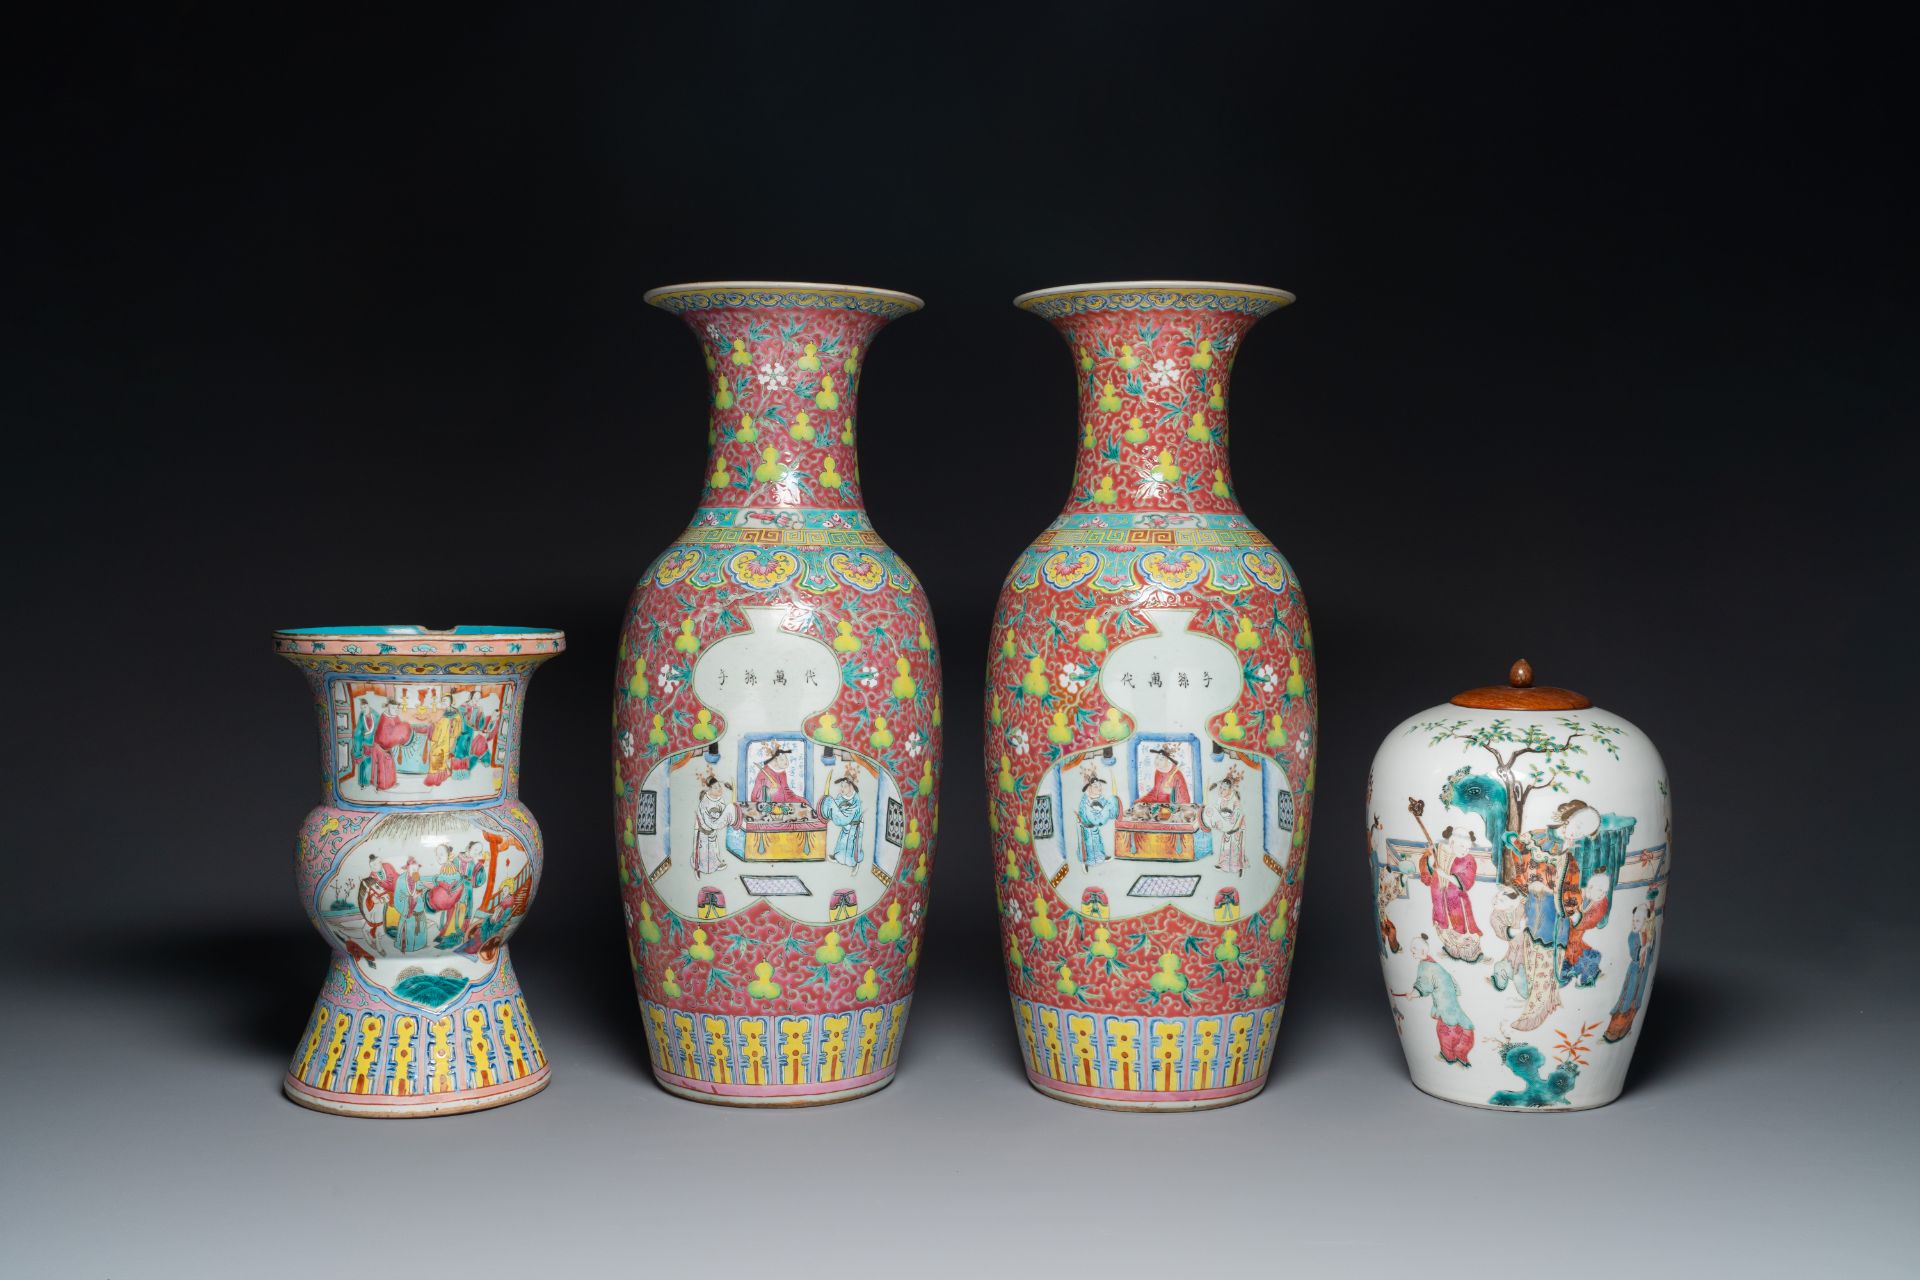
x,y
404,630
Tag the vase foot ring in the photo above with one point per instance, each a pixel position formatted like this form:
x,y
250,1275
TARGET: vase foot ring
x,y
764,1101
1143,1104
420,1106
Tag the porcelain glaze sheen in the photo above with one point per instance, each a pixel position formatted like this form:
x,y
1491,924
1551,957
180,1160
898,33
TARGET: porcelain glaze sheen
x,y
1519,860
416,867
1150,727
777,727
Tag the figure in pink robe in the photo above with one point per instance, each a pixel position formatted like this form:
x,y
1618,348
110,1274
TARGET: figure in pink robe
x,y
1169,783
387,735
1452,908
770,783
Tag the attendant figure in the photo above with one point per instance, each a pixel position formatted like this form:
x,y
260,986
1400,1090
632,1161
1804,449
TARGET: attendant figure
x,y
1633,991
462,753
363,726
376,902
713,813
1097,809
389,734
413,752
410,900
770,782
1527,966
481,750
1585,909
1448,870
1224,816
1450,1022
440,740
842,808
453,892
1169,781
1390,885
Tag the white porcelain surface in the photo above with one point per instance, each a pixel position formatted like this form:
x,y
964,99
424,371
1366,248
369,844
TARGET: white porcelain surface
x,y
1518,962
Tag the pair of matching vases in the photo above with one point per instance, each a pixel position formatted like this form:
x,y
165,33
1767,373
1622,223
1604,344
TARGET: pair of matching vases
x,y
1150,767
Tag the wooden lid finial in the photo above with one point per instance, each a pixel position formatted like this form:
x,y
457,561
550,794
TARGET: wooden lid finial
x,y
1520,694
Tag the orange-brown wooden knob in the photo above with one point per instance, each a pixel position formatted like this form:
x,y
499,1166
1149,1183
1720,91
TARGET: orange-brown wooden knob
x,y
1520,694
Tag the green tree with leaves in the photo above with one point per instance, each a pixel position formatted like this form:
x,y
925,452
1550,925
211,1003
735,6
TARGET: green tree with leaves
x,y
1529,758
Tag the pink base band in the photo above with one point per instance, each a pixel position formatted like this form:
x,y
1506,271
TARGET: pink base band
x,y
374,1100
1146,1096
692,1085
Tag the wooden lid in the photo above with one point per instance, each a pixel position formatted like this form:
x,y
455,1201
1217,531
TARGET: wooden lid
x,y
1521,694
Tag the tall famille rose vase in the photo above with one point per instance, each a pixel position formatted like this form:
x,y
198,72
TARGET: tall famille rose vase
x,y
777,726
1150,726
416,867
1519,840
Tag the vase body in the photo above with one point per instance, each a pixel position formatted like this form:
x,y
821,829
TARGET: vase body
x,y
416,867
777,728
1150,727
1519,859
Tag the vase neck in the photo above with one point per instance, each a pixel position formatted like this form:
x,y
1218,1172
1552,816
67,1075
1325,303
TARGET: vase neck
x,y
402,730
1153,408
783,383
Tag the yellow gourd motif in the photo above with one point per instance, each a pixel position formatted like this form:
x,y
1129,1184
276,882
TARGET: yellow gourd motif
x,y
1168,979
763,987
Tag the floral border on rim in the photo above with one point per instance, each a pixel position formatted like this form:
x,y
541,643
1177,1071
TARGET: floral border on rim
x,y
682,301
511,644
1246,302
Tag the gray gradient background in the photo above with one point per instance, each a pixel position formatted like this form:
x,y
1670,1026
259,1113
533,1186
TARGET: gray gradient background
x,y
1631,277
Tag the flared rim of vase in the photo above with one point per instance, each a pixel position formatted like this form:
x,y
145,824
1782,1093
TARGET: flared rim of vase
x,y
528,639
658,296
1279,297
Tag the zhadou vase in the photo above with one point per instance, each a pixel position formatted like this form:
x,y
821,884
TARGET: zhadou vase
x,y
1150,725
1519,841
777,727
416,867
